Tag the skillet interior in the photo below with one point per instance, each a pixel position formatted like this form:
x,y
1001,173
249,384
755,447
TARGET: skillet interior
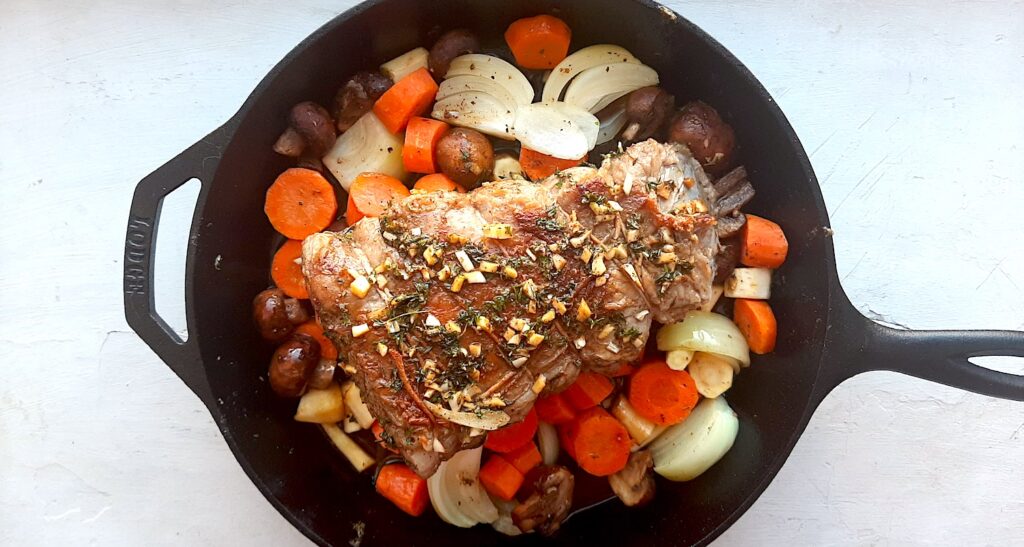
x,y
294,465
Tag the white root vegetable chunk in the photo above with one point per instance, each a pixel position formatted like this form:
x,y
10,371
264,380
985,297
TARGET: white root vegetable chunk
x,y
590,56
348,448
599,86
405,64
705,331
321,406
366,147
493,68
477,110
640,429
456,492
711,373
356,408
691,447
678,359
507,167
752,283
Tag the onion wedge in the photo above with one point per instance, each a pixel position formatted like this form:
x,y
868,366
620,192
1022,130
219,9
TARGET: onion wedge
x,y
456,492
545,128
590,56
495,69
599,86
478,84
477,110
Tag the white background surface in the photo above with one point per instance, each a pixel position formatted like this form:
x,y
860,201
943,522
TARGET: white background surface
x,y
912,110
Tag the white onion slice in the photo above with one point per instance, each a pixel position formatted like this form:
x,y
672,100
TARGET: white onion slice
x,y
545,129
599,86
496,69
456,492
611,124
547,443
488,420
477,110
587,122
366,146
705,331
473,83
689,448
590,56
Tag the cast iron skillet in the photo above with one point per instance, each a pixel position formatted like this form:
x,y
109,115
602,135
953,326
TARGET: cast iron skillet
x,y
823,340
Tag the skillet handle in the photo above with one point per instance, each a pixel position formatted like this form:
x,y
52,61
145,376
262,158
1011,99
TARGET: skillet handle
x,y
182,356
858,344
942,356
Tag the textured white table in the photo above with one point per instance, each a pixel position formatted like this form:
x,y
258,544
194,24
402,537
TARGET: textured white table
x,y
912,111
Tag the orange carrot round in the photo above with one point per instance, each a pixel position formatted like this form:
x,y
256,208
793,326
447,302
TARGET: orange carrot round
x,y
286,271
327,348
514,435
539,166
500,478
539,42
370,195
421,136
403,487
525,457
438,182
588,390
600,442
300,202
662,395
762,243
410,96
757,323
554,409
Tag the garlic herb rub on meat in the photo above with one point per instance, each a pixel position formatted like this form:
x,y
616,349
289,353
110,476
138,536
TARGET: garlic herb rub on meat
x,y
455,311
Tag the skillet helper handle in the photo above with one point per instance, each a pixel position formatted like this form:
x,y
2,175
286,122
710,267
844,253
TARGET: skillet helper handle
x,y
182,356
942,356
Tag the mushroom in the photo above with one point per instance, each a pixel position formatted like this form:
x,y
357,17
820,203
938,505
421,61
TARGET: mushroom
x,y
292,364
647,110
323,374
357,96
634,484
310,132
449,46
702,130
276,314
549,501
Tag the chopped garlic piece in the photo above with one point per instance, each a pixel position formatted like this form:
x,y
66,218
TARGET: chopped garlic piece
x,y
488,267
558,261
510,272
606,332
666,258
359,330
453,327
578,240
465,261
393,327
517,323
548,316
580,342
583,311
382,349
389,236
497,231
539,383
586,255
457,282
475,277
416,232
631,272
597,267
359,286
559,307
535,339
432,321
483,323
474,349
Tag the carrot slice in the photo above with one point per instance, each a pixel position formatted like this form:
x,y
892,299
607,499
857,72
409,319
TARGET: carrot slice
x,y
600,442
662,395
500,478
419,151
554,409
565,435
588,390
539,42
410,96
327,349
370,195
438,182
539,166
286,271
513,436
757,323
403,487
762,243
300,202
525,457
